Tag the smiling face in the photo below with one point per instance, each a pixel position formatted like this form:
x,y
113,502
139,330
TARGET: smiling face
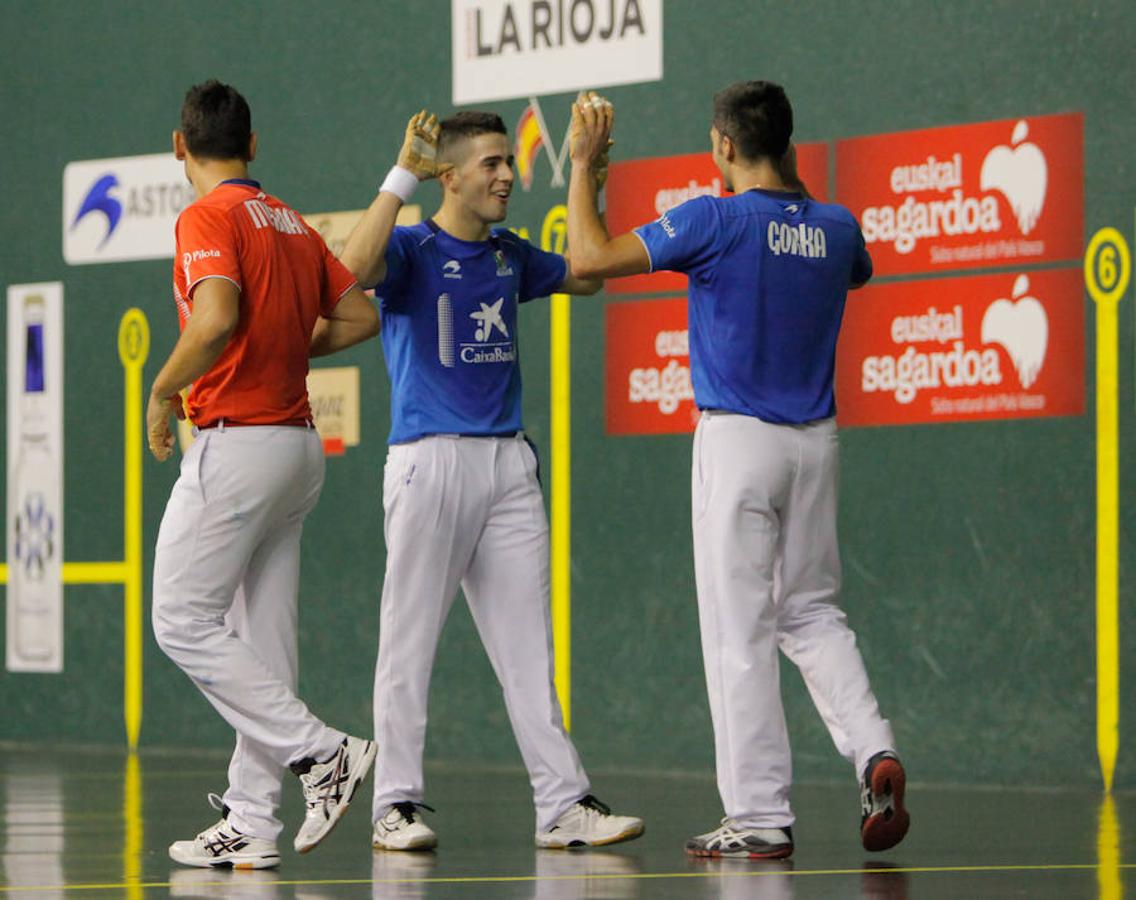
x,y
482,178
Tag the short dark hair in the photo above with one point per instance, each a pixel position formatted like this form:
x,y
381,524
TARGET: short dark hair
x,y
464,125
216,122
756,116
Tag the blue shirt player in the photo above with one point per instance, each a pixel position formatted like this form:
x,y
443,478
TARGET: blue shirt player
x,y
769,269
462,503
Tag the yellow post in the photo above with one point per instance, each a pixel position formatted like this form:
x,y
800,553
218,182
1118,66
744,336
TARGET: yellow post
x,y
132,828
1108,851
133,348
1107,268
553,237
561,491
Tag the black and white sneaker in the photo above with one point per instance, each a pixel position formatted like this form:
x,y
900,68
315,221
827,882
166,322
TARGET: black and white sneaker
x,y
732,840
328,788
223,846
402,828
589,823
883,819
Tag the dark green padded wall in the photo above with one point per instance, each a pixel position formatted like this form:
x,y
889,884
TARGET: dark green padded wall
x,y
969,548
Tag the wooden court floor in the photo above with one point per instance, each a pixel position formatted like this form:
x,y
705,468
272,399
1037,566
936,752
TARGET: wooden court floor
x,y
96,823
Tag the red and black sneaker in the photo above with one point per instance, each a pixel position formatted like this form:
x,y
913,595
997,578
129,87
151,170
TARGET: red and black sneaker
x,y
884,820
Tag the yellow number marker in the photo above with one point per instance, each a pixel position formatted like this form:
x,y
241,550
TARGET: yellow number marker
x,y
1107,270
133,348
553,237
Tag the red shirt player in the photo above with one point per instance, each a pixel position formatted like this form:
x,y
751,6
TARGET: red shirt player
x,y
286,279
257,293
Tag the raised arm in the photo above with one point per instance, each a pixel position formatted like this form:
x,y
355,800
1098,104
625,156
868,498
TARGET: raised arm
x,y
595,254
365,252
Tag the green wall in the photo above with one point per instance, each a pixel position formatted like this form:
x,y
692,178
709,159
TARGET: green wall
x,y
969,548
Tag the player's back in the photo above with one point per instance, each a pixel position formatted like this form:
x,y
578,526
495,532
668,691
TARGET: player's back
x,y
769,276
280,265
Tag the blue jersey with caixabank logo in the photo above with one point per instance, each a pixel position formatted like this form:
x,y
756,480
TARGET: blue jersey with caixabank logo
x,y
769,272
449,328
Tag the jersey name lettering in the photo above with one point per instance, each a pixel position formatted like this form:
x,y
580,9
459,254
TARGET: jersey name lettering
x,y
799,240
283,220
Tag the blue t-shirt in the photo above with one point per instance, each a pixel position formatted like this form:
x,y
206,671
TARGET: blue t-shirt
x,y
449,314
769,273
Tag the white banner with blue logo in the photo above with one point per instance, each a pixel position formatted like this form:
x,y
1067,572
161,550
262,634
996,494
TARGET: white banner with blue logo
x,y
121,209
35,478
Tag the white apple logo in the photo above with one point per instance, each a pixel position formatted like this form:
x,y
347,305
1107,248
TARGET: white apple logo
x,y
1022,327
1020,174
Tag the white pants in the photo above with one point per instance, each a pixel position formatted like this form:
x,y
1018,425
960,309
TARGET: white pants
x,y
468,511
767,568
226,579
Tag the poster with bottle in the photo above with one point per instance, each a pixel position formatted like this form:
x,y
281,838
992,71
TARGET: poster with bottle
x,y
34,524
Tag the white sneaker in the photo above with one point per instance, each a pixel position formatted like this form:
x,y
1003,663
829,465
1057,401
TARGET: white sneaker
x,y
589,823
734,840
328,788
402,828
223,846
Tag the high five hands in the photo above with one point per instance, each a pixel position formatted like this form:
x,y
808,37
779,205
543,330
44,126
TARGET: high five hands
x,y
589,139
419,152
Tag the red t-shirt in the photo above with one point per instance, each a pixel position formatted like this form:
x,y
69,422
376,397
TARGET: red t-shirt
x,y
287,277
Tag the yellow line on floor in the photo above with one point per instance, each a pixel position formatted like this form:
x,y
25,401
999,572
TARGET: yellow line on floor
x,y
583,876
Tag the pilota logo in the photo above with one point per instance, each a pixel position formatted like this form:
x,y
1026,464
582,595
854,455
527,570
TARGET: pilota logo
x,y
1022,328
1019,172
191,256
98,199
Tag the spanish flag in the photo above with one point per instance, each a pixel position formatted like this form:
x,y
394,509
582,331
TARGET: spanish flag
x,y
529,142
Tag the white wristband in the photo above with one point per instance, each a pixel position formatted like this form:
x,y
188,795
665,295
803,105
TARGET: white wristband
x,y
601,204
400,182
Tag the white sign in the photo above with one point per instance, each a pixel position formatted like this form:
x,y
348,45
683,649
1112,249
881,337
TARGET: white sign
x,y
122,209
334,396
504,49
35,478
336,227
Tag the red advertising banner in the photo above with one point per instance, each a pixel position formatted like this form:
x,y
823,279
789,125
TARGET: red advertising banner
x,y
967,196
641,190
648,368
980,347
